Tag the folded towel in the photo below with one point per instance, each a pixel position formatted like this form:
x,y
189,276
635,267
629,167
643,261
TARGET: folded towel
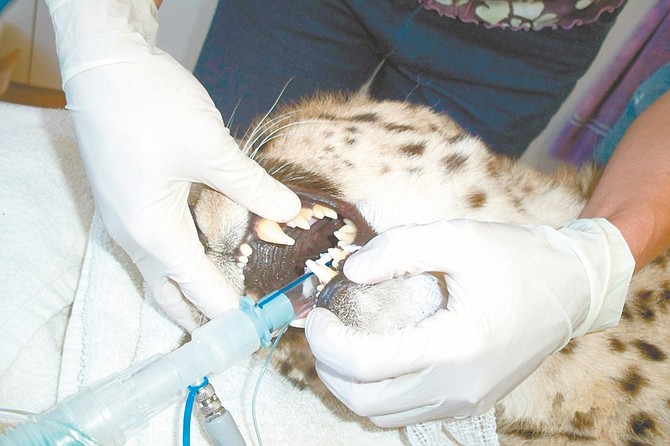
x,y
45,210
60,266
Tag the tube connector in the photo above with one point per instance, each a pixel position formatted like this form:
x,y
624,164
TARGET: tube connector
x,y
219,423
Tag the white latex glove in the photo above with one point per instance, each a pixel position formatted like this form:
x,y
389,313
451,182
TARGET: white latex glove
x,y
516,295
147,129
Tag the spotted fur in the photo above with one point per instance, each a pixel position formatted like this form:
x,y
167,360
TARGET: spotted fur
x,y
399,163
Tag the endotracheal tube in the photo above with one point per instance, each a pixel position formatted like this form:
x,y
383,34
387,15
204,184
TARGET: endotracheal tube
x,y
120,406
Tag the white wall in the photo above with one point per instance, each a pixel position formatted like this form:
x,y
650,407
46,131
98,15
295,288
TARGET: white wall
x,y
27,25
183,28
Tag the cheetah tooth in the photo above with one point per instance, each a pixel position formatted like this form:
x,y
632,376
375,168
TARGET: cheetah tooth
x,y
348,248
243,259
345,246
271,232
349,228
299,221
336,253
324,273
307,213
345,237
246,250
317,211
324,211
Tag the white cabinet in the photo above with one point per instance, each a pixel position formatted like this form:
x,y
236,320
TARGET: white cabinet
x,y
27,26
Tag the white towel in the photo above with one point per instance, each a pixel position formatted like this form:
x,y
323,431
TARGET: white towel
x,y
45,209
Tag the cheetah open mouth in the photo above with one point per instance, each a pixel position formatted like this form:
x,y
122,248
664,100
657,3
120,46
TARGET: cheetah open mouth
x,y
274,254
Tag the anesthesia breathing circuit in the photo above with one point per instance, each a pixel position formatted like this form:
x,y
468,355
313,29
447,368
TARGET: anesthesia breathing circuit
x,y
120,406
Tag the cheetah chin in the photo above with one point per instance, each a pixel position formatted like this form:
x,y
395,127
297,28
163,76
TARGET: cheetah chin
x,y
361,167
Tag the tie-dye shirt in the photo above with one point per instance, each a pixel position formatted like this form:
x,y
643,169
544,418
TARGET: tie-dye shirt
x,y
523,14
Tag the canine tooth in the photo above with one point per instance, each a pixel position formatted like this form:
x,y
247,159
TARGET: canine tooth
x,y
300,221
325,211
245,249
243,260
344,236
271,232
324,273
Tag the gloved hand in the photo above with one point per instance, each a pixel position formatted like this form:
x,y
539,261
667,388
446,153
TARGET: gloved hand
x,y
516,295
147,129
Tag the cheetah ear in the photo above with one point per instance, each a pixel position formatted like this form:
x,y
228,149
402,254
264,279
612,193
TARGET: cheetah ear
x,y
364,91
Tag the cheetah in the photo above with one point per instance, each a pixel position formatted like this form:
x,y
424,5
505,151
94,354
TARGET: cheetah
x,y
362,166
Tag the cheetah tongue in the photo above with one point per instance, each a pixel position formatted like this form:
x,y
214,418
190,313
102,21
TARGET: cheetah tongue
x,y
279,256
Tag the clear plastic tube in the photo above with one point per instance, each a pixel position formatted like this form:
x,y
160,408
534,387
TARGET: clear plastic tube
x,y
35,432
301,294
118,407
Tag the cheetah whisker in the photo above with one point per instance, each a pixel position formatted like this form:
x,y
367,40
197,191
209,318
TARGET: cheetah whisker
x,y
274,135
261,129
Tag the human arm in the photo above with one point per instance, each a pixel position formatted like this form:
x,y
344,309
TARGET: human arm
x,y
147,130
634,190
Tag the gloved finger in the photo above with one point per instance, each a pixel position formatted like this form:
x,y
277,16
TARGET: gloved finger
x,y
242,180
364,356
444,246
386,398
386,256
164,243
206,287
170,298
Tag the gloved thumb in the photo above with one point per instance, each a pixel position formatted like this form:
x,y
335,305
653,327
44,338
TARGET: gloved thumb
x,y
399,251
